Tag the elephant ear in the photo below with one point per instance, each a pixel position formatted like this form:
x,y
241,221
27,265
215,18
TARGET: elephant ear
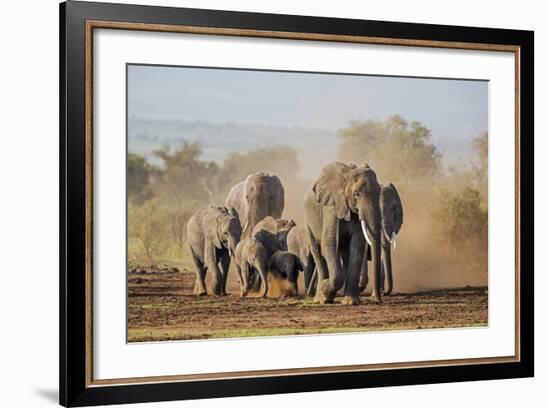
x,y
211,226
277,202
233,212
399,221
330,188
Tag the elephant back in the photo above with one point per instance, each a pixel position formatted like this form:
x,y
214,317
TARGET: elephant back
x,y
235,198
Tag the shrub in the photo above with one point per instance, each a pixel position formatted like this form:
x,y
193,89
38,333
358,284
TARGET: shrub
x,y
158,227
460,224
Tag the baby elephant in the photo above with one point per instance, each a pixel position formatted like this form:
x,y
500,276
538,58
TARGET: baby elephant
x,y
298,244
213,235
251,257
287,266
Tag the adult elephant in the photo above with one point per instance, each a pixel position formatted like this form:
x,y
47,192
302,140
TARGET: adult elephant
x,y
213,235
342,212
255,198
392,220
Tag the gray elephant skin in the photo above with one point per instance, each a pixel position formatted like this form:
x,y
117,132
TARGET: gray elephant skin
x,y
342,212
298,243
251,257
286,265
276,226
255,198
392,221
253,254
213,235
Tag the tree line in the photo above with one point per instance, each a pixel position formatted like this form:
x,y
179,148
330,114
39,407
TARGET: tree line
x,y
450,202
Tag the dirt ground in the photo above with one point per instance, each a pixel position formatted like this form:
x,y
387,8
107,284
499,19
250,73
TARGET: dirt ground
x,y
161,306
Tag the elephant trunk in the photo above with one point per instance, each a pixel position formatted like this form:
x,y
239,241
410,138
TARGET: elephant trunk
x,y
249,225
231,245
376,253
245,232
371,226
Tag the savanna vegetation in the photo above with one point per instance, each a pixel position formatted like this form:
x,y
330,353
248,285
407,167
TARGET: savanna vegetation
x,y
161,198
446,219
445,206
443,242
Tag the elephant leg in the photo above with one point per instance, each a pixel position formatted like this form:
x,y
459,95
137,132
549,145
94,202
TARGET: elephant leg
x,y
327,288
319,275
312,288
354,267
261,267
256,284
249,275
345,259
387,274
386,278
241,280
329,285
200,270
212,265
364,278
382,279
320,272
225,261
309,266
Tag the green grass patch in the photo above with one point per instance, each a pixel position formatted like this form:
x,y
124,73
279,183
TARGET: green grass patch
x,y
167,334
155,306
162,334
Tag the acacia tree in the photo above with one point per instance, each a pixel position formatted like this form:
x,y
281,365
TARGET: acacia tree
x,y
145,224
139,174
280,160
184,183
183,175
399,151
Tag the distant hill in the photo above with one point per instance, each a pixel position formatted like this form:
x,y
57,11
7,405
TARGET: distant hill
x,y
315,147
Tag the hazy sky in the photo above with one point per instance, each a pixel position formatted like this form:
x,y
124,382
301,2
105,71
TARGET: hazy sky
x,y
452,109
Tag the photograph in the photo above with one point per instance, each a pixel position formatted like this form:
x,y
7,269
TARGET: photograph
x,y
257,203
282,203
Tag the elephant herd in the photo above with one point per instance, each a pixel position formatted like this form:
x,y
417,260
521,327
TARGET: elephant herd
x,y
350,219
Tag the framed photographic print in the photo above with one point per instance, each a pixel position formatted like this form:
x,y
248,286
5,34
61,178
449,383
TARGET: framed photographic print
x,y
234,187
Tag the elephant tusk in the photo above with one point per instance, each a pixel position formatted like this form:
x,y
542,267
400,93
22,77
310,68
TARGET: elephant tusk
x,y
364,227
245,227
386,233
394,240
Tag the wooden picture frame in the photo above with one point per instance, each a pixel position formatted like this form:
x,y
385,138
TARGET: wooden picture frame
x,y
78,20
